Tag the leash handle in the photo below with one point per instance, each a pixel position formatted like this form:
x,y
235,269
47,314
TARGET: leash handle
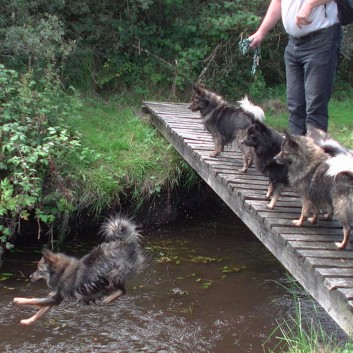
x,y
244,47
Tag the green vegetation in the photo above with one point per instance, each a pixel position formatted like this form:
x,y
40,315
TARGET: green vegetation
x,y
130,157
61,155
340,122
301,334
150,47
305,334
34,136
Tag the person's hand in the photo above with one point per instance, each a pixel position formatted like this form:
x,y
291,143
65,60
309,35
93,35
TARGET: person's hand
x,y
256,39
303,16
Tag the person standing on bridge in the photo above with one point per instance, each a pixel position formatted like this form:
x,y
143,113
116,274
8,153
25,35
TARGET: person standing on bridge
x,y
311,57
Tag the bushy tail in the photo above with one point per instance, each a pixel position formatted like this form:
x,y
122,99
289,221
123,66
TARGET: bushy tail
x,y
252,109
322,138
340,164
121,228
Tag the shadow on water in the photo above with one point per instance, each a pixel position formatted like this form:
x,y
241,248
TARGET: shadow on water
x,y
210,286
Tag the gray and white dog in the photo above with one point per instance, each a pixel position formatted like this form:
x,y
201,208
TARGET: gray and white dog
x,y
100,273
226,122
322,175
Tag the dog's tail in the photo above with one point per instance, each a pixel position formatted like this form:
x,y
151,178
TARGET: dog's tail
x,y
322,138
340,164
250,108
120,228
334,148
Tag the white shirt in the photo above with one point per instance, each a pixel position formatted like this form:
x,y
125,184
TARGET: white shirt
x,y
322,17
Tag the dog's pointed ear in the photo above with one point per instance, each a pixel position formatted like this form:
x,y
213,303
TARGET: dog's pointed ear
x,y
288,135
291,139
49,257
260,126
197,87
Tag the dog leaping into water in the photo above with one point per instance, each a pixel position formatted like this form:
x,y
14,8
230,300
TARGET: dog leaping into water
x,y
99,274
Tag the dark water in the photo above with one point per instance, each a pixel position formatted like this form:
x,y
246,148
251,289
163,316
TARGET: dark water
x,y
210,286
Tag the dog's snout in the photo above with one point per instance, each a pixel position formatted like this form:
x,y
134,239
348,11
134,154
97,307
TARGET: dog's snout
x,y
277,159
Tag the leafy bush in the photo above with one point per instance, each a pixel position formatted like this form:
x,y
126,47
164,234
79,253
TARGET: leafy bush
x,y
38,45
149,47
146,46
33,133
47,174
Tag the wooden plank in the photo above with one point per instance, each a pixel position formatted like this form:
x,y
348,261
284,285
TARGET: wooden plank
x,y
321,225
334,283
335,272
276,213
332,254
307,252
312,238
347,293
314,262
305,230
329,262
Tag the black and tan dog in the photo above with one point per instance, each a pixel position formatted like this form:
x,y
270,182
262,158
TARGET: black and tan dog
x,y
226,122
322,180
101,273
267,142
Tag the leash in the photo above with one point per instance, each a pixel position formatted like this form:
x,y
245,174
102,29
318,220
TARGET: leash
x,y
244,47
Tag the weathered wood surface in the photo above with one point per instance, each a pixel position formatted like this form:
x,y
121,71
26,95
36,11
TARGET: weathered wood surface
x,y
307,252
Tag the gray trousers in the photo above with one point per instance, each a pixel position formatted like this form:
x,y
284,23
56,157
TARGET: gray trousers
x,y
311,63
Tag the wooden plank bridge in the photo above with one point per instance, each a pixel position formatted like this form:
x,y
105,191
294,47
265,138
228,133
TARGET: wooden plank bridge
x,y
307,252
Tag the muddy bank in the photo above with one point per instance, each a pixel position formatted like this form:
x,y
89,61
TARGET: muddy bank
x,y
161,208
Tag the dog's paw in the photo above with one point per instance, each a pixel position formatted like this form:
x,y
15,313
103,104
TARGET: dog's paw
x,y
341,246
270,206
327,217
214,154
313,220
243,170
19,301
297,222
27,322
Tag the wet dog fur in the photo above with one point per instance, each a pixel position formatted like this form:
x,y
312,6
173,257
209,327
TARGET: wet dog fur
x,y
226,122
100,273
267,142
319,181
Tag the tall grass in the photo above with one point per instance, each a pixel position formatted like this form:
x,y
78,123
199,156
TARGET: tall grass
x,y
306,333
300,334
128,158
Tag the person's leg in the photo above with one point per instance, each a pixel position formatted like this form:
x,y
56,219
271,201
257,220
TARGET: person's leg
x,y
320,66
295,90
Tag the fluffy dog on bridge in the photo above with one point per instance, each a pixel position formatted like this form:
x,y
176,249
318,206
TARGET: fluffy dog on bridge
x,y
322,180
267,142
100,273
226,122
341,170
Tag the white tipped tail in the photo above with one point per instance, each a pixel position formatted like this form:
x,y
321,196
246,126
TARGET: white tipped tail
x,y
252,109
342,163
120,228
333,147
